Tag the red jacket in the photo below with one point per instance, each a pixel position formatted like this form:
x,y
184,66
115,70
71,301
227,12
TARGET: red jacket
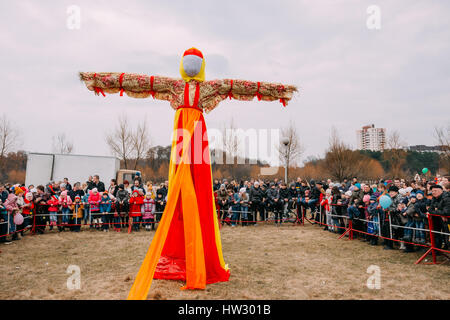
x,y
136,206
53,204
28,210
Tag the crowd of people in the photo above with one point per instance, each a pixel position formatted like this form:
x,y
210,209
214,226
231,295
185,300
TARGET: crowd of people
x,y
61,206
335,205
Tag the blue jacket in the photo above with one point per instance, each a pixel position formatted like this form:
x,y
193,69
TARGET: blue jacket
x,y
105,204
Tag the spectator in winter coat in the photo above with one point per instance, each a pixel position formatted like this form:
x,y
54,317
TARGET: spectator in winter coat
x,y
3,222
275,204
416,212
336,209
68,186
392,212
78,212
256,203
284,197
126,186
76,191
162,189
97,184
216,185
3,193
222,198
148,216
105,210
440,209
122,205
113,188
235,209
94,205
12,209
243,206
65,202
375,215
40,201
136,201
28,209
53,207
355,202
160,206
293,197
137,186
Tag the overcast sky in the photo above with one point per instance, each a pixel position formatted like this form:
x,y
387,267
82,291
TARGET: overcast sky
x,y
397,77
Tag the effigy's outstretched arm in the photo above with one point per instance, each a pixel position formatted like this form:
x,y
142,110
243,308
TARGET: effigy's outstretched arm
x,y
134,85
248,90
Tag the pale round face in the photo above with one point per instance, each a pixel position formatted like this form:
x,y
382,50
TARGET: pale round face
x,y
192,64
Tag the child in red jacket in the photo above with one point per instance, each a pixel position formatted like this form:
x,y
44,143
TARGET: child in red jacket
x,y
136,201
28,210
53,206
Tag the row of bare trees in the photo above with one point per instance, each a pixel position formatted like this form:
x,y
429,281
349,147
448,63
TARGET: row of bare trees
x,y
130,145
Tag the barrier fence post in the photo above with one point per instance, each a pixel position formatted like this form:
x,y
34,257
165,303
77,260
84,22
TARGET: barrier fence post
x,y
379,223
33,230
7,230
303,215
390,224
349,231
432,248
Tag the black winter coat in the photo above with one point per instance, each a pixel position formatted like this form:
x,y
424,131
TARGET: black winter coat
x,y
441,205
256,194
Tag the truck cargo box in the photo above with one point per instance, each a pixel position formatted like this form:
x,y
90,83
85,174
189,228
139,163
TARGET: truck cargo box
x,y
45,167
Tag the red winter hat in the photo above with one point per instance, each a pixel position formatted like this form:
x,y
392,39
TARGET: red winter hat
x,y
193,51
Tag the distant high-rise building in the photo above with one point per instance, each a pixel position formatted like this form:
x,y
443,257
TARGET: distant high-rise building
x,y
371,138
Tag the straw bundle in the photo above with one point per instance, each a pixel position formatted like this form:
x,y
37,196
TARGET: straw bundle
x,y
165,88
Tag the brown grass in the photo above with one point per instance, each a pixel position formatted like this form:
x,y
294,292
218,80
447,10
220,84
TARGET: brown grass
x,y
266,262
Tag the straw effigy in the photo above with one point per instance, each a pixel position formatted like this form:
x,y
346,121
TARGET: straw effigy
x,y
170,89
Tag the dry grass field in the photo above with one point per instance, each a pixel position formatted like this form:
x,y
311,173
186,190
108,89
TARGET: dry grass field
x,y
266,262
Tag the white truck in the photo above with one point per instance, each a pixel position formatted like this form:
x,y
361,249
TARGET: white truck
x,y
45,167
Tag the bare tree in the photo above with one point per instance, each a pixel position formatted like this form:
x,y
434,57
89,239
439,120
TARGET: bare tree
x,y
231,144
340,161
395,154
141,142
291,149
443,138
230,140
131,146
8,137
120,141
61,144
